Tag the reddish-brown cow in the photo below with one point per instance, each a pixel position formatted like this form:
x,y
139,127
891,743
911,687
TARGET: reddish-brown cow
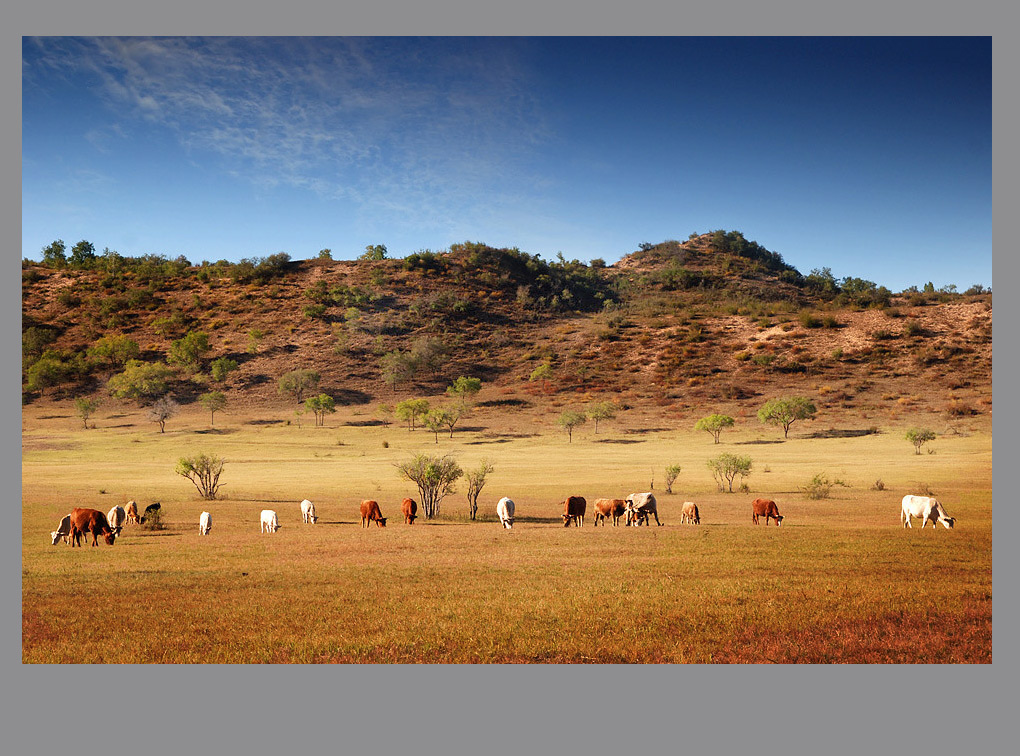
x,y
765,508
369,512
573,511
604,508
409,508
84,521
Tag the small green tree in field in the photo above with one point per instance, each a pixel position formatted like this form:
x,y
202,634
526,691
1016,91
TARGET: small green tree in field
x,y
569,420
785,411
476,482
726,467
435,420
320,405
86,407
213,402
919,437
410,410
203,470
297,382
463,389
435,478
601,411
221,367
672,472
714,424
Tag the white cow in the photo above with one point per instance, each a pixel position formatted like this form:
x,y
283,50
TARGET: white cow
x,y
926,508
505,512
63,531
639,506
269,522
308,512
204,523
117,517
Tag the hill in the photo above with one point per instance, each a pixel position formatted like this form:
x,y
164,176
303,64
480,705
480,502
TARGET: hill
x,y
678,329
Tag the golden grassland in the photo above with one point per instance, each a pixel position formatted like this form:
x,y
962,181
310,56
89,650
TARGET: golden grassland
x,y
841,581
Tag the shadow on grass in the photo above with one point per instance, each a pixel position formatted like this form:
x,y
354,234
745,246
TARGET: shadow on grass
x,y
216,431
760,442
844,433
263,422
365,423
620,441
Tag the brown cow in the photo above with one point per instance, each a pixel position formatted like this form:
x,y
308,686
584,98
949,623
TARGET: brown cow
x,y
132,513
369,512
92,521
765,508
573,511
689,513
409,508
604,508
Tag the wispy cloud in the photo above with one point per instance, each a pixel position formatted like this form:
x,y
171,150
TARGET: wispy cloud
x,y
412,129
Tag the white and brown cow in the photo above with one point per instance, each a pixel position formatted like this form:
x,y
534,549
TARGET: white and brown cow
x,y
927,508
689,513
505,511
308,512
63,531
640,506
117,517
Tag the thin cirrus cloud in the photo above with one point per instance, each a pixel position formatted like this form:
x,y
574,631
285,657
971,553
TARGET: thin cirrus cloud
x,y
387,125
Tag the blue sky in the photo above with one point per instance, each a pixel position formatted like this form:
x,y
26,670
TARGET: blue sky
x,y
871,156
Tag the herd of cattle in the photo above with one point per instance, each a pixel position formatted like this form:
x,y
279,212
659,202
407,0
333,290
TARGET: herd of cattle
x,y
635,510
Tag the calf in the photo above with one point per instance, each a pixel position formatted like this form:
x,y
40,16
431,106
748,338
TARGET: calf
x,y
116,517
308,512
573,511
204,523
92,521
604,508
269,523
369,512
765,508
928,508
409,508
689,513
640,506
132,513
63,531
505,512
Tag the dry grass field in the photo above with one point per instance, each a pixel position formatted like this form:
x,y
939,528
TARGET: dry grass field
x,y
841,581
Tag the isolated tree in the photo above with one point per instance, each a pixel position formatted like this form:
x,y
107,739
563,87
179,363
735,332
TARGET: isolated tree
x,y
297,382
213,401
449,417
569,420
204,471
672,471
410,410
397,367
321,405
140,380
435,478
188,350
114,350
162,410
83,254
85,408
728,466
435,421
54,254
785,411
374,252
325,254
463,389
714,424
255,335
919,437
601,411
476,482
221,367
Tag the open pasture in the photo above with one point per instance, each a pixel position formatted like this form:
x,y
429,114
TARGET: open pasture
x,y
841,581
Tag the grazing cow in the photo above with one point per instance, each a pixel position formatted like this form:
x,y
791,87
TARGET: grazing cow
x,y
63,531
765,508
927,508
84,521
269,522
409,508
204,523
573,511
604,508
640,506
505,512
308,512
132,513
369,512
116,517
154,507
689,513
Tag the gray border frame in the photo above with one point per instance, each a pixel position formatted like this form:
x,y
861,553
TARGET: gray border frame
x,y
462,709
